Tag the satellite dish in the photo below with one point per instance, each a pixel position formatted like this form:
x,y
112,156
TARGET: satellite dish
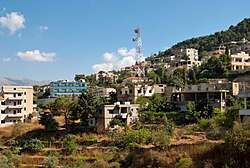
x,y
137,30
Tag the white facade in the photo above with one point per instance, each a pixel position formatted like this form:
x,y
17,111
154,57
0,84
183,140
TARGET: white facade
x,y
127,112
16,104
240,61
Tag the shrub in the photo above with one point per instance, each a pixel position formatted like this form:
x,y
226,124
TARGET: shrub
x,y
184,162
50,162
33,145
168,125
205,124
161,139
5,163
70,144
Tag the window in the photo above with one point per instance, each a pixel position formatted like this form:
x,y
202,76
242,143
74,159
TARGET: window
x,y
126,92
120,92
189,87
139,91
24,93
111,111
130,91
24,100
14,95
24,108
3,111
14,88
3,103
2,121
150,91
91,121
100,111
14,111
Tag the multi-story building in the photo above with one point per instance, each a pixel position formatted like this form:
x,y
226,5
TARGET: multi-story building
x,y
127,113
66,88
131,93
104,92
105,77
240,61
16,104
214,93
245,94
186,58
217,51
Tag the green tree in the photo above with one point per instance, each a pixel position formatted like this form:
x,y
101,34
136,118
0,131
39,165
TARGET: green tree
x,y
85,107
48,122
70,144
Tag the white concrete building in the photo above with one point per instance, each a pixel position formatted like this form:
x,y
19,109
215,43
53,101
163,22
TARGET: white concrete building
x,y
126,113
16,104
240,61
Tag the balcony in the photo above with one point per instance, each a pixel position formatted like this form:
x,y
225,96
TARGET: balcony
x,y
13,91
244,93
14,116
244,112
14,107
15,98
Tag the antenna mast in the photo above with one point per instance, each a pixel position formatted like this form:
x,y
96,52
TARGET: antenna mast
x,y
138,49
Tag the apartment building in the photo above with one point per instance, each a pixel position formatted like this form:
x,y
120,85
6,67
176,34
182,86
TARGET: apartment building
x,y
131,93
240,61
16,104
186,58
244,93
67,88
214,93
127,113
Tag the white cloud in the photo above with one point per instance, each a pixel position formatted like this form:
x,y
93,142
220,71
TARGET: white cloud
x,y
112,61
43,28
19,35
124,52
36,55
12,21
7,59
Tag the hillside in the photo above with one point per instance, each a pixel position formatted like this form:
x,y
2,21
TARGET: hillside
x,y
206,43
19,81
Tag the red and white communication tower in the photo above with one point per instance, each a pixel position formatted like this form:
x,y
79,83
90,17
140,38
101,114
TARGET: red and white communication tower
x,y
138,49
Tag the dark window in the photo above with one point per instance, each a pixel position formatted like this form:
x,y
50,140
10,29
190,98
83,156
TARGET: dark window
x,y
139,91
91,121
2,121
120,92
24,93
3,111
14,95
19,94
14,88
130,91
100,111
14,111
24,100
150,91
3,103
24,108
111,111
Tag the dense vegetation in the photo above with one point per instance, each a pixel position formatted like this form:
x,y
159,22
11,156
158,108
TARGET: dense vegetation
x,y
206,43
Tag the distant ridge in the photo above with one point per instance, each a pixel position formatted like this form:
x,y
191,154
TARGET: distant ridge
x,y
20,81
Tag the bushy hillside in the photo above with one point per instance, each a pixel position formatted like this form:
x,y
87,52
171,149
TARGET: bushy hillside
x,y
206,43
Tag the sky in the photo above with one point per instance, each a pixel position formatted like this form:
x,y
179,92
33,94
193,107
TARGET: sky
x,y
56,39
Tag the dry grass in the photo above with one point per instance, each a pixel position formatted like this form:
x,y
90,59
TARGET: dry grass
x,y
15,130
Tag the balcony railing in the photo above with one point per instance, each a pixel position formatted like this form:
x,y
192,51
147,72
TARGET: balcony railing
x,y
14,107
